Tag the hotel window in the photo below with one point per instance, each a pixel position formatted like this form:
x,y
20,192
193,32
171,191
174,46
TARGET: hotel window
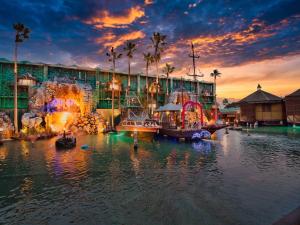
x,y
266,108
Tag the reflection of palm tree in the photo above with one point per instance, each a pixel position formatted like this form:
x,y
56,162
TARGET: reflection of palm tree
x,y
158,43
168,70
112,57
129,49
148,58
215,74
22,33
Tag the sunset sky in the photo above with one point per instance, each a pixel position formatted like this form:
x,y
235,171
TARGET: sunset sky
x,y
248,41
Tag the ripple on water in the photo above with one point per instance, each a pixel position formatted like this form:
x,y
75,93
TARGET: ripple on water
x,y
236,179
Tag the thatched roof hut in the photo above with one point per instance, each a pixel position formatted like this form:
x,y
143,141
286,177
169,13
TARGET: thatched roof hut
x,y
263,107
292,105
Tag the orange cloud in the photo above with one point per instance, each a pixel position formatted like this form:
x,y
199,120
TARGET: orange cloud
x,y
110,39
255,31
105,19
274,75
148,2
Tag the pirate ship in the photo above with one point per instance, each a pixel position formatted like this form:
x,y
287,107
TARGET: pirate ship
x,y
183,116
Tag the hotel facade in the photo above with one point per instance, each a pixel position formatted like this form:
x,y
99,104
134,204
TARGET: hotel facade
x,y
97,78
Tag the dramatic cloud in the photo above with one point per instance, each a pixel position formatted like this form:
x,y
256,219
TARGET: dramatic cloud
x,y
148,2
111,40
106,19
234,36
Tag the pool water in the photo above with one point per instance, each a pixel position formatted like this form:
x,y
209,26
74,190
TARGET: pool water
x,y
233,179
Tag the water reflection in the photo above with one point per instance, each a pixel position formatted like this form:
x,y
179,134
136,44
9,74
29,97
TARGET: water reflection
x,y
202,147
25,148
229,180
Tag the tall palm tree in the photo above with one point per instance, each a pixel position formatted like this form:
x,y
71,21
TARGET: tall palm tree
x,y
168,69
130,48
158,43
22,33
148,58
112,57
215,74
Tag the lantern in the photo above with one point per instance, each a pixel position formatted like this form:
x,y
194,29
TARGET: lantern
x,y
26,80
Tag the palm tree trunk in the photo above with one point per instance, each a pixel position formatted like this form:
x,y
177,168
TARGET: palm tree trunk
x,y
16,89
152,103
157,85
147,87
167,84
129,74
113,97
216,108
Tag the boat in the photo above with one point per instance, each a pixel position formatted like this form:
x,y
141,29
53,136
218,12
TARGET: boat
x,y
146,125
191,134
65,142
183,118
134,118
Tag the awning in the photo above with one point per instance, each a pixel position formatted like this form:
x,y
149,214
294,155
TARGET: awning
x,y
169,107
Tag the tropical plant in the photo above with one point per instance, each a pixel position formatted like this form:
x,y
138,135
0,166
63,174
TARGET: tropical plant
x,y
112,57
148,58
225,101
215,74
158,43
22,33
129,48
167,70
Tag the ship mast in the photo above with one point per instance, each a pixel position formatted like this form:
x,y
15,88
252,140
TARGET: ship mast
x,y
194,75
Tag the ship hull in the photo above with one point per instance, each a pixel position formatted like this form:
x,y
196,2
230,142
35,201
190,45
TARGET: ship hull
x,y
188,134
137,128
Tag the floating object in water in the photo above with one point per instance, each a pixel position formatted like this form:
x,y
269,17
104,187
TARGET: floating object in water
x,y
248,132
203,134
84,147
65,142
135,140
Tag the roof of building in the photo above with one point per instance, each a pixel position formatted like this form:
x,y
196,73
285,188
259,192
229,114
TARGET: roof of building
x,y
75,67
230,110
260,96
232,105
294,94
169,107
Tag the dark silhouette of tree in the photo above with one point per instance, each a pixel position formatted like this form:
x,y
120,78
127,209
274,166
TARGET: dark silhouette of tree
x,y
112,57
129,48
22,33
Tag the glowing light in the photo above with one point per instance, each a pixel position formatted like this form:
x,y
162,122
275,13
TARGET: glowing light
x,y
60,121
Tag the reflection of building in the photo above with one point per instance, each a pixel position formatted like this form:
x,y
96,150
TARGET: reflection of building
x,y
292,105
230,113
98,80
263,107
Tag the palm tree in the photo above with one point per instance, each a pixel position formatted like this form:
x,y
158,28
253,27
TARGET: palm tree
x,y
158,43
215,74
112,57
225,101
168,70
129,49
148,58
22,33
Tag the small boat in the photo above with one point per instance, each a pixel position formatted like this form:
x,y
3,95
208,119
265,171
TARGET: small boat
x,y
65,142
135,117
140,126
